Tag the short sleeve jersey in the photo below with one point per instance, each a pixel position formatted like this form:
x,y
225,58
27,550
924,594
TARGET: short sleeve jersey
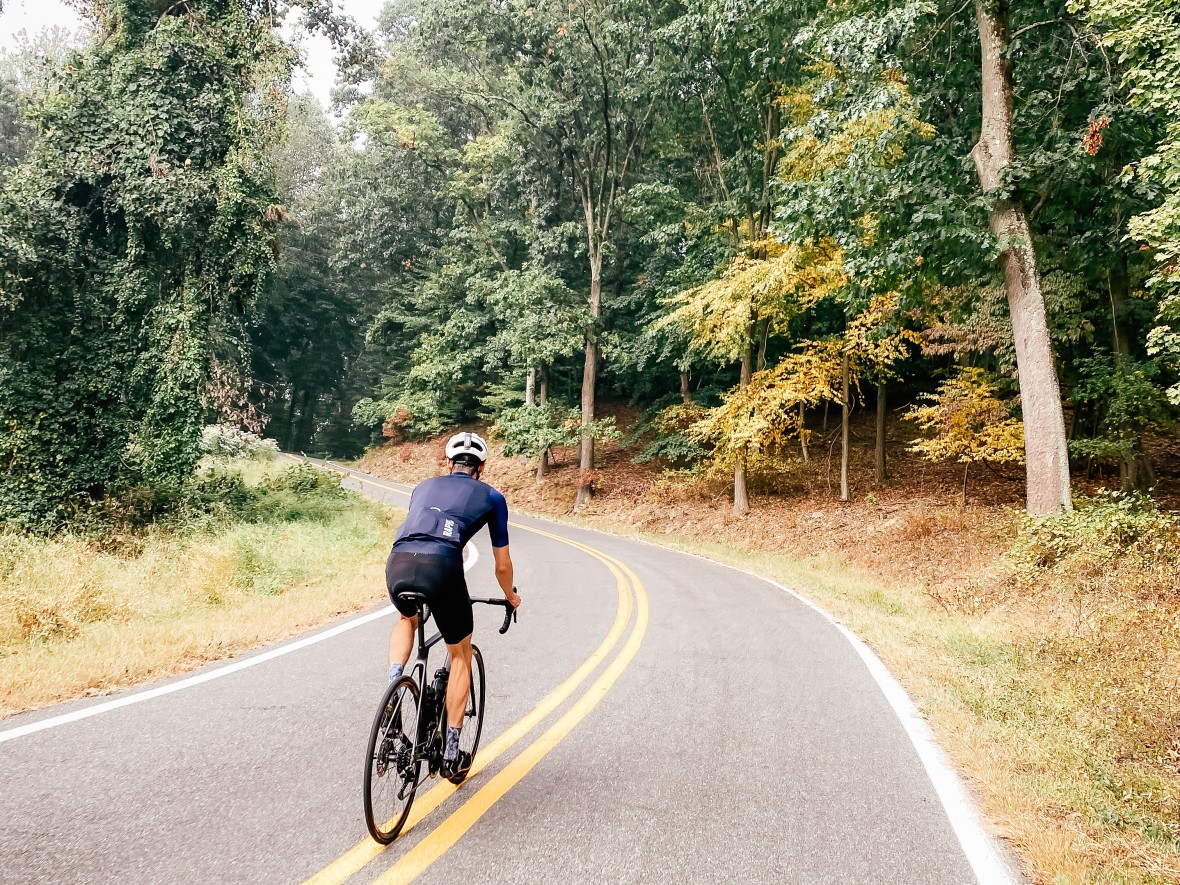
x,y
447,511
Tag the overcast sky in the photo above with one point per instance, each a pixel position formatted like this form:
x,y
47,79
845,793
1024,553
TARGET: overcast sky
x,y
320,72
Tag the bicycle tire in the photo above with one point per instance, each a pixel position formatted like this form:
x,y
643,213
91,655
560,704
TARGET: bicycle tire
x,y
469,737
391,763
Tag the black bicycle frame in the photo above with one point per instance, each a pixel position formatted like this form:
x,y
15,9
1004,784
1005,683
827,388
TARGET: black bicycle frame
x,y
425,645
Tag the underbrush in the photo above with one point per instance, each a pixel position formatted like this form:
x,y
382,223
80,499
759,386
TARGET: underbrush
x,y
1095,595
258,551
1043,653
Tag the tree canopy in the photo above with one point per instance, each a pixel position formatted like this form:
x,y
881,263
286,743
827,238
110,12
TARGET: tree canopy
x,y
533,204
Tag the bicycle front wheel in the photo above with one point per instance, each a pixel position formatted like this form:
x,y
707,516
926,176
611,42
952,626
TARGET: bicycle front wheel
x,y
391,764
472,724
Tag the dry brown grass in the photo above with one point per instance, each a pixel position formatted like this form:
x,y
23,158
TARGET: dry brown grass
x,y
76,619
1053,690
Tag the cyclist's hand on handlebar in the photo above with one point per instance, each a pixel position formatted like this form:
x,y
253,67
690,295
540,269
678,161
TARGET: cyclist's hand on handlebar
x,y
513,598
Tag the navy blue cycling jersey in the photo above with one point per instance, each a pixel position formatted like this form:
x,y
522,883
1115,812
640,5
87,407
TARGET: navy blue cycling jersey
x,y
447,511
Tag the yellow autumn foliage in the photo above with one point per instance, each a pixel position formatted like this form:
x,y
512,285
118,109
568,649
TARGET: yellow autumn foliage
x,y
810,156
763,417
968,423
719,316
869,345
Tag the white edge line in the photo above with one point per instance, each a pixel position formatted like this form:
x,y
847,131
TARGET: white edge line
x,y
978,845
87,712
470,558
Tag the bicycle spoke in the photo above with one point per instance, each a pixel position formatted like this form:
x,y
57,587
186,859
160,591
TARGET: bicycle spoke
x,y
391,770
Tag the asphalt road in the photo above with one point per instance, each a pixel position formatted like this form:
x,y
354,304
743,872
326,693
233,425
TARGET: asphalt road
x,y
728,733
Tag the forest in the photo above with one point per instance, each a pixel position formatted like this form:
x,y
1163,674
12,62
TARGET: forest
x,y
735,212
768,261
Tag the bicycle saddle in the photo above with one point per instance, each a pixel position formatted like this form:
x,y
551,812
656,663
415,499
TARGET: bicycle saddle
x,y
412,596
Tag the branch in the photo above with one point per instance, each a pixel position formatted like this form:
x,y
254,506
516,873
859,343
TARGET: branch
x,y
717,161
605,107
483,234
737,129
941,26
1052,21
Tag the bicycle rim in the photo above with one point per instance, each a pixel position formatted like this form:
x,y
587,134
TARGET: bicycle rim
x,y
391,769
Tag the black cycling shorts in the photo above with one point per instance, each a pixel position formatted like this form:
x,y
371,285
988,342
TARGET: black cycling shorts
x,y
441,580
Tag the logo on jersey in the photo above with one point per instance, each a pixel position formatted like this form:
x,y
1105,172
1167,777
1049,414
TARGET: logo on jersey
x,y
449,528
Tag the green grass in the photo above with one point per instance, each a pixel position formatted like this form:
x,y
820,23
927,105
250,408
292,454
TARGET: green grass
x,y
259,553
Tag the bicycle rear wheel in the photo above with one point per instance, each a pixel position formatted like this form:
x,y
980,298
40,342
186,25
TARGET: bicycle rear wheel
x,y
472,724
391,766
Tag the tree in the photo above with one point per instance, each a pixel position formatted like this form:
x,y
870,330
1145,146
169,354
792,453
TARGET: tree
x,y
757,420
134,237
767,292
1046,455
742,59
25,72
1146,38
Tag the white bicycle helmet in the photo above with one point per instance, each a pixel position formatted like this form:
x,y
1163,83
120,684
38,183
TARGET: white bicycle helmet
x,y
467,443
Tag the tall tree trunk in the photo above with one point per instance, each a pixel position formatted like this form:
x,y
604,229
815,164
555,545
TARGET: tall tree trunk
x,y
763,338
685,393
306,427
542,400
589,380
289,435
530,400
1120,285
1046,454
845,413
882,467
741,501
1135,470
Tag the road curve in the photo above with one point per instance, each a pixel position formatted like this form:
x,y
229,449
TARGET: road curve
x,y
652,718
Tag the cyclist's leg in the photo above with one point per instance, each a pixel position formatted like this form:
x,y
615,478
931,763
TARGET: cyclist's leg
x,y
459,682
452,613
402,572
401,640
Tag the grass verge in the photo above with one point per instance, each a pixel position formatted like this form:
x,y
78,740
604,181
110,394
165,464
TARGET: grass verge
x,y
275,551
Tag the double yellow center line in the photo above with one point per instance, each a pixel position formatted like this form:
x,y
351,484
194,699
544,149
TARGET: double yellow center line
x,y
631,596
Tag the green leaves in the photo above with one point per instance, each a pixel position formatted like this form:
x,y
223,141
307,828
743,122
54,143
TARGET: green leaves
x,y
135,236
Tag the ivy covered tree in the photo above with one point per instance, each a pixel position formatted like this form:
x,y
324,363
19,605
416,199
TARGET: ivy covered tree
x,y
134,237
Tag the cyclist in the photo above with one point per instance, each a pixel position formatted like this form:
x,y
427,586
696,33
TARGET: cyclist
x,y
427,557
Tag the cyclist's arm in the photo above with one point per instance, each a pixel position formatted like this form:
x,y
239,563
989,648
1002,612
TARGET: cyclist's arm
x,y
504,574
498,529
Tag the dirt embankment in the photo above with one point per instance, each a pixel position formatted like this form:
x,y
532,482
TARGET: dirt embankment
x,y
913,528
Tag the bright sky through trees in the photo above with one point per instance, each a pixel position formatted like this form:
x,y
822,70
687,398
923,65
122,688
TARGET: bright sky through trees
x,y
318,75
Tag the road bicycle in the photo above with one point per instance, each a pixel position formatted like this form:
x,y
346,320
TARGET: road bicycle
x,y
409,731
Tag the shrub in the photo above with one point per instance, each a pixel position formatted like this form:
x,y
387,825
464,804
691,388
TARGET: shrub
x,y
968,423
228,443
299,492
673,445
530,430
1111,526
